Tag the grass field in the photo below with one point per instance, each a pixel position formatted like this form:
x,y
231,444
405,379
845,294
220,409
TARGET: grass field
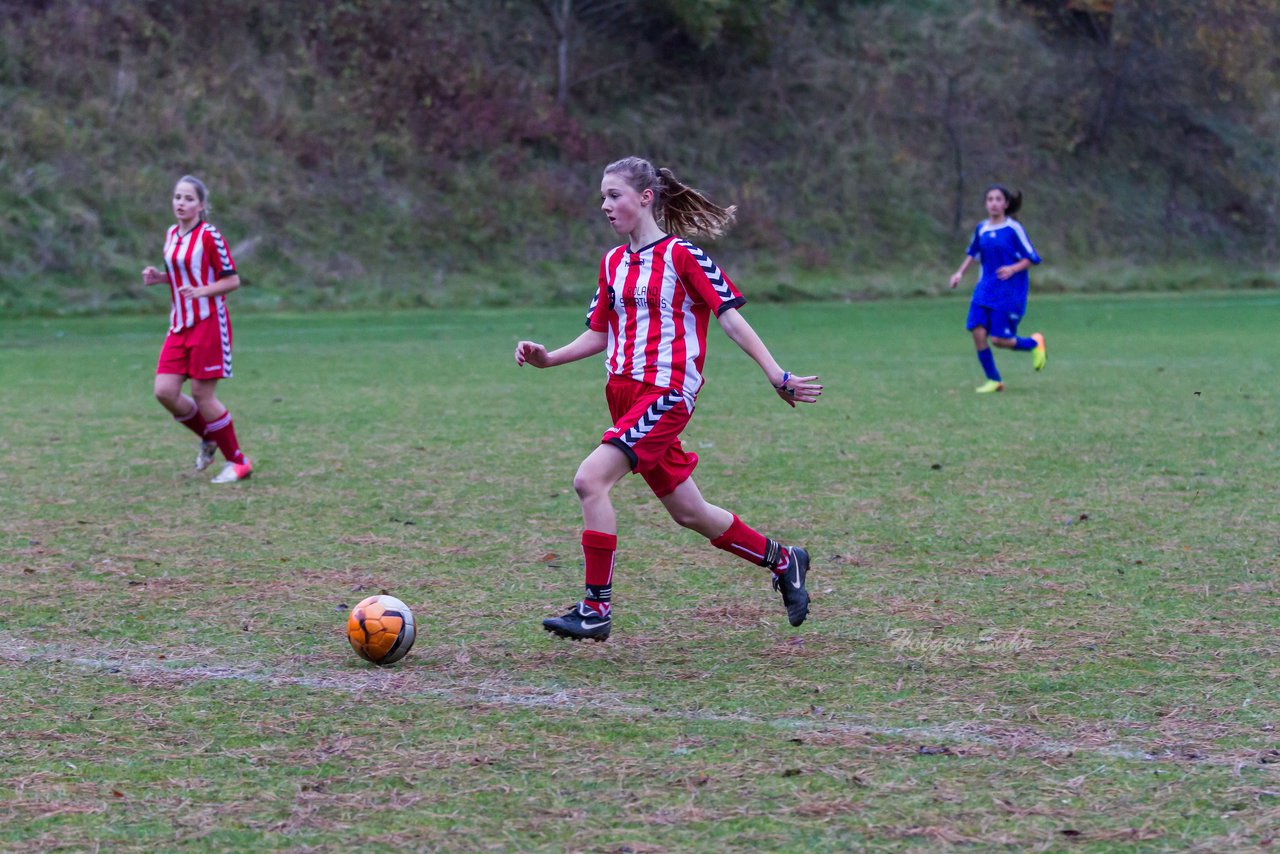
x,y
1043,620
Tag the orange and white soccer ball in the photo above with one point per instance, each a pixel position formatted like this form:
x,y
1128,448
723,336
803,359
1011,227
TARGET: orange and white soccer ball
x,y
380,629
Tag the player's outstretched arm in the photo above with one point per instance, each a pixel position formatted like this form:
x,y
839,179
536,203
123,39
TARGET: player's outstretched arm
x,y
959,274
587,344
790,387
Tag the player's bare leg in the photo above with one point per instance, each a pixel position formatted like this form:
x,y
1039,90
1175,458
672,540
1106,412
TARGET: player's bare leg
x,y
168,390
221,431
592,618
1035,345
690,510
185,410
205,394
789,565
602,468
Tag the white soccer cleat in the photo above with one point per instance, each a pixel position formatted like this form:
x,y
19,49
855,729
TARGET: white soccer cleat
x,y
232,472
204,458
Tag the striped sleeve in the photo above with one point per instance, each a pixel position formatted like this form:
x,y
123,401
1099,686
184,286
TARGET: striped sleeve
x,y
602,300
705,279
219,255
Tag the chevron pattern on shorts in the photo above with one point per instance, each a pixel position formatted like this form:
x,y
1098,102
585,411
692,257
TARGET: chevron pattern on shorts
x,y
224,334
649,420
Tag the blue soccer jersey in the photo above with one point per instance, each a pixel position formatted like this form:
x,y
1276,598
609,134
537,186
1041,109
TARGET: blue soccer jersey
x,y
996,246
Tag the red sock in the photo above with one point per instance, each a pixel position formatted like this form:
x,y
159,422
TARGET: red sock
x,y
598,549
222,431
749,544
193,420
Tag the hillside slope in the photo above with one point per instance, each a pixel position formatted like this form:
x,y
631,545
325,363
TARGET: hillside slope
x,y
432,153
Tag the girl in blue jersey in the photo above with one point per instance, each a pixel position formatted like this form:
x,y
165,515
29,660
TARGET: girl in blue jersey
x,y
1000,298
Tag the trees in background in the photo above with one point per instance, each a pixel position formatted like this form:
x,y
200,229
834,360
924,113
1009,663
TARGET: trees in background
x,y
465,133
1185,93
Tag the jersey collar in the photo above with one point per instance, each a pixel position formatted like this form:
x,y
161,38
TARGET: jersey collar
x,y
650,246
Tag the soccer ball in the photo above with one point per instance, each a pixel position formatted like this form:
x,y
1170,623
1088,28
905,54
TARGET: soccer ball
x,y
380,629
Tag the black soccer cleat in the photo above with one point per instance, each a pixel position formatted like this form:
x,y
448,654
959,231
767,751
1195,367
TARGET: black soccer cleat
x,y
791,585
581,623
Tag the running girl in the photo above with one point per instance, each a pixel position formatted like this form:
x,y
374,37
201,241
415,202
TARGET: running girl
x,y
1000,298
200,273
655,297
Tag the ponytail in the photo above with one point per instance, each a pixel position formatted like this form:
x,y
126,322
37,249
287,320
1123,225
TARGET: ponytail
x,y
687,212
679,209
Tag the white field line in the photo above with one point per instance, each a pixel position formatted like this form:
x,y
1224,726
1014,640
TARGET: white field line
x,y
485,692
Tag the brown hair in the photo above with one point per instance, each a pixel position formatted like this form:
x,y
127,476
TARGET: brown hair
x,y
202,193
678,208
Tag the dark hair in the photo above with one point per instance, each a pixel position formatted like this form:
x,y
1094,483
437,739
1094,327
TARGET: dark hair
x,y
1013,199
202,192
679,208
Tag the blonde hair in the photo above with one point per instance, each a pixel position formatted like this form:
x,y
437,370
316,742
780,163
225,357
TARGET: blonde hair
x,y
678,208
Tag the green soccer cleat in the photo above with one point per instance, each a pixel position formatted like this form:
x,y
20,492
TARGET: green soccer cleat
x,y
1040,354
990,386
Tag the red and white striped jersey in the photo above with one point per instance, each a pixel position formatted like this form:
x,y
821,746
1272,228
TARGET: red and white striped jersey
x,y
656,304
199,257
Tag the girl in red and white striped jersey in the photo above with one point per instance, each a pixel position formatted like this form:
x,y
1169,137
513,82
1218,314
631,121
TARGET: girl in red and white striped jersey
x,y
200,273
654,300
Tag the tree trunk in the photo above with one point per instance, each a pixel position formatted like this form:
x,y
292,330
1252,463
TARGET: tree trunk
x,y
1127,26
957,153
563,15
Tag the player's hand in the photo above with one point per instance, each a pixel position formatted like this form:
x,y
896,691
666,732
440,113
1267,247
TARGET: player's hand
x,y
1003,273
152,276
187,292
794,389
955,279
533,353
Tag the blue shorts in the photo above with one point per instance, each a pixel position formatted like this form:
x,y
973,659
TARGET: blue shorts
x,y
997,323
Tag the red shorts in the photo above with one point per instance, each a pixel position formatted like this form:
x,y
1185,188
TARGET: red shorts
x,y
201,352
647,421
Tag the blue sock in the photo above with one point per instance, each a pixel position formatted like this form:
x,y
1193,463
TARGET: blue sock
x,y
989,364
1024,343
